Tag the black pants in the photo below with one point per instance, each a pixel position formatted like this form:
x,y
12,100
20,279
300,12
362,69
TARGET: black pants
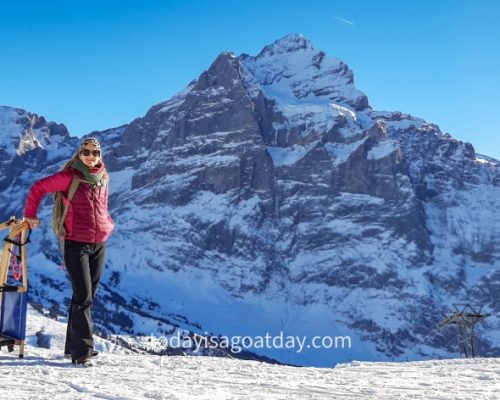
x,y
85,263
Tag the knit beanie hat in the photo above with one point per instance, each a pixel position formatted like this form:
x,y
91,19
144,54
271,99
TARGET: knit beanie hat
x,y
90,140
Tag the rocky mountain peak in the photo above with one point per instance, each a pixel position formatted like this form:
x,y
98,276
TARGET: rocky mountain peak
x,y
287,44
24,131
27,141
221,73
291,68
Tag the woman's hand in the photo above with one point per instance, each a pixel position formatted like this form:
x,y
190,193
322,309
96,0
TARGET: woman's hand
x,y
34,222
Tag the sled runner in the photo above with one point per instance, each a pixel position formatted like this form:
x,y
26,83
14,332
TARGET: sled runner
x,y
14,290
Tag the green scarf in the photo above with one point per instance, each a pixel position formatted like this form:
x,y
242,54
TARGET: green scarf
x,y
93,178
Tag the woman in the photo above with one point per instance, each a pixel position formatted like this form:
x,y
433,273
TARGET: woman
x,y
88,226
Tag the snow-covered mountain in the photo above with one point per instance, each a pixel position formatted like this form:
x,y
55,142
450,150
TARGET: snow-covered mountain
x,y
268,197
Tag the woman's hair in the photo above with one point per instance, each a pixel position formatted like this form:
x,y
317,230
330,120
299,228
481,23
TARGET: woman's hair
x,y
73,159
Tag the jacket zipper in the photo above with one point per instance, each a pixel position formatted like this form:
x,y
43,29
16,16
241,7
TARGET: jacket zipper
x,y
95,213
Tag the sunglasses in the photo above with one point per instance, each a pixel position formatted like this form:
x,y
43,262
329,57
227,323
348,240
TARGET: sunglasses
x,y
87,152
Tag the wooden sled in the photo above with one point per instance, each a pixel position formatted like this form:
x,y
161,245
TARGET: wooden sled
x,y
14,295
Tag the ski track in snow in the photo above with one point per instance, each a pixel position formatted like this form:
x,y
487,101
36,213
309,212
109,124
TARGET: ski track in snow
x,y
45,375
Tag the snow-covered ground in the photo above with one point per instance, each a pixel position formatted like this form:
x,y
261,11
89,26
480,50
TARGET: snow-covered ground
x,y
119,374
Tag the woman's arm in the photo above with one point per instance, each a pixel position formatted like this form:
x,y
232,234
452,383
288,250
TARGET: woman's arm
x,y
58,182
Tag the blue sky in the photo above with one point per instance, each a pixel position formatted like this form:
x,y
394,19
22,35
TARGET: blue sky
x,y
94,65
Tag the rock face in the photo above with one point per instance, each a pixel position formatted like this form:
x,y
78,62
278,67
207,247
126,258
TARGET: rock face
x,y
269,197
28,143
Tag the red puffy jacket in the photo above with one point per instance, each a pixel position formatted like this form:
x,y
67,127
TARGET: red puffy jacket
x,y
87,220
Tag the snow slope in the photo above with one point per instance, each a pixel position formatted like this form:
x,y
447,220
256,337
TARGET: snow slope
x,y
120,374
